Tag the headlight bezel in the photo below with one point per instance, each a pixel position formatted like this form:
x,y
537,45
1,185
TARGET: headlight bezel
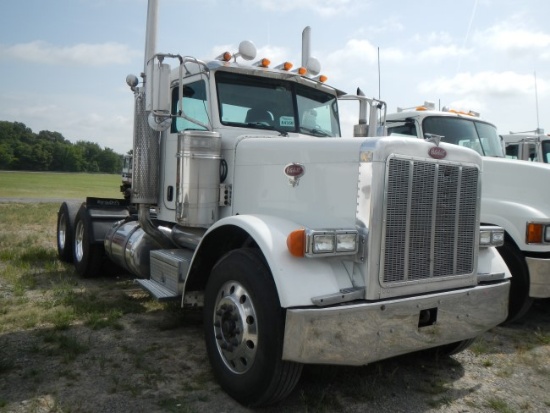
x,y
315,243
329,242
491,236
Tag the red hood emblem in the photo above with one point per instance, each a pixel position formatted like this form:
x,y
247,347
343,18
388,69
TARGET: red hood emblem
x,y
437,152
294,172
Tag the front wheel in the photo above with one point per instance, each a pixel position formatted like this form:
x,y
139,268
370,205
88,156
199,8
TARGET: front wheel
x,y
244,327
453,348
88,256
519,301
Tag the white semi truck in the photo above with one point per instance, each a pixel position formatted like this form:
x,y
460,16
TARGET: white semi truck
x,y
126,175
301,246
531,146
509,198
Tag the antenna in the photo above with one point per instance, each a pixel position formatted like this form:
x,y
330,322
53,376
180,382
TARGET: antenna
x,y
378,49
537,101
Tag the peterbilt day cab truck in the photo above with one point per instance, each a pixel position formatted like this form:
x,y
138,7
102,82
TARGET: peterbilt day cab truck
x,y
531,146
509,197
300,245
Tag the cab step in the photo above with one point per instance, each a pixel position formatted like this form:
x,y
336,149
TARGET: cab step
x,y
157,290
168,272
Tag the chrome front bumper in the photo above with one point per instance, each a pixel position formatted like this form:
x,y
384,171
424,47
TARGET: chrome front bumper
x,y
539,277
363,333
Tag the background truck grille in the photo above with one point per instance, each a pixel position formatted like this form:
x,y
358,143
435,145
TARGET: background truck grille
x,y
431,220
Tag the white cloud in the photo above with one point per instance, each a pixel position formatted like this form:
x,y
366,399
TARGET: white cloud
x,y
82,54
517,42
356,63
390,25
275,54
433,37
363,51
439,53
485,83
325,8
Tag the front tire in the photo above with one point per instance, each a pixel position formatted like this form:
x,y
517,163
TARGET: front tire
x,y
65,230
453,348
519,301
88,256
244,327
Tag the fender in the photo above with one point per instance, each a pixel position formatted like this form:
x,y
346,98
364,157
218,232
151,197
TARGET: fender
x,y
512,194
103,213
513,217
297,279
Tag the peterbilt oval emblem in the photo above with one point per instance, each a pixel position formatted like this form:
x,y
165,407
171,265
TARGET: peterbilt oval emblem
x,y
294,171
437,152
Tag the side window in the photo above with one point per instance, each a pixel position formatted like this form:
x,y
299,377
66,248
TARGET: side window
x,y
405,129
512,151
195,107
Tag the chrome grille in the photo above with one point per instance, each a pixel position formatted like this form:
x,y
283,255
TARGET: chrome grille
x,y
430,220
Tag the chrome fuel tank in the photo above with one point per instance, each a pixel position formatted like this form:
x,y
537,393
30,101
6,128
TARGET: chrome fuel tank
x,y
128,246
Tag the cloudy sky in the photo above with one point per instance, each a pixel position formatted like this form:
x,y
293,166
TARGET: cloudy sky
x,y
63,63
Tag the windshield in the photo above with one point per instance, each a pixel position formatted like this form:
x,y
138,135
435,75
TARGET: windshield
x,y
479,136
545,146
277,104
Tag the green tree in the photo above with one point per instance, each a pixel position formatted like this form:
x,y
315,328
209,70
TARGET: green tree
x,y
21,149
110,162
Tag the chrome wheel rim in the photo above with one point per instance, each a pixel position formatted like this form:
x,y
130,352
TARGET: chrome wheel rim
x,y
62,231
79,241
235,327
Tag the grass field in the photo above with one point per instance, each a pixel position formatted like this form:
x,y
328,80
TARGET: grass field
x,y
48,185
69,344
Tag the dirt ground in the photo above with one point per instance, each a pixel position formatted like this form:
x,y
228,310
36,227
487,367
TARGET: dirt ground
x,y
156,362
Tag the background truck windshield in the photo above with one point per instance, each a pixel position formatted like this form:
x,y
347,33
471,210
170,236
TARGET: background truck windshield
x,y
277,104
479,136
546,151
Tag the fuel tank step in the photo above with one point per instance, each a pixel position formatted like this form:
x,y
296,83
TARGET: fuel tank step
x,y
157,290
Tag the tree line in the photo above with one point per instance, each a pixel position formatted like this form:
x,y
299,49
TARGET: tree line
x,y
23,150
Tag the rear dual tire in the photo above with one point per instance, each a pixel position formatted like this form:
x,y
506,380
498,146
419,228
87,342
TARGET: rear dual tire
x,y
65,230
88,255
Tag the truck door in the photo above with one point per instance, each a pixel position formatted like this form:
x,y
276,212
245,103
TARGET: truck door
x,y
196,116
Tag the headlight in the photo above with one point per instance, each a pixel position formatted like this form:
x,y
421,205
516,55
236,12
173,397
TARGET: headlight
x,y
333,242
346,241
490,236
323,243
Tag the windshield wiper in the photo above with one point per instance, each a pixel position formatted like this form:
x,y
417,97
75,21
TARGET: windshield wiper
x,y
315,132
263,125
257,125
